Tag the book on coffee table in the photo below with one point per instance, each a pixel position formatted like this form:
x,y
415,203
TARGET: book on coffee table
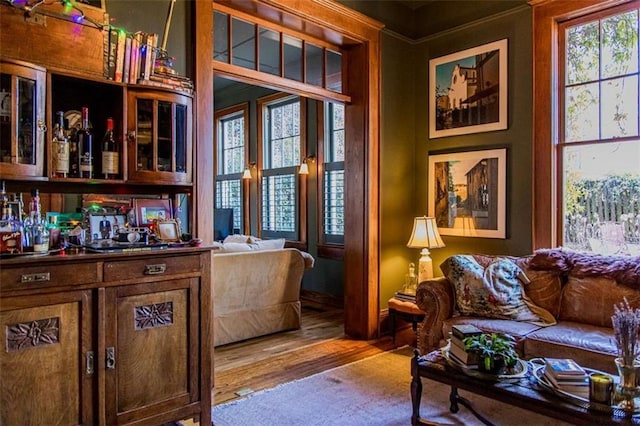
x,y
462,331
564,368
579,387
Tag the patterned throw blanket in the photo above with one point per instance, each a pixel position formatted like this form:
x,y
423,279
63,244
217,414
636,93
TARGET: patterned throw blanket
x,y
624,269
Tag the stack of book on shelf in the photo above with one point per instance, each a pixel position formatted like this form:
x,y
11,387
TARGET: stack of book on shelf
x,y
131,58
407,297
459,332
567,375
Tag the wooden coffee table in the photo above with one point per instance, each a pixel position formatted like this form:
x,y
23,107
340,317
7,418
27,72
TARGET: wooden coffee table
x,y
524,393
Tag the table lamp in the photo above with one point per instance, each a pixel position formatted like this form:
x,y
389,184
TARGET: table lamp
x,y
425,236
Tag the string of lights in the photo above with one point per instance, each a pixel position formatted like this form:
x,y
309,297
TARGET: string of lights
x,y
72,12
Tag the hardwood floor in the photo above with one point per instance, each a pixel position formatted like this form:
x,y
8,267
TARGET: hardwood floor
x,y
265,362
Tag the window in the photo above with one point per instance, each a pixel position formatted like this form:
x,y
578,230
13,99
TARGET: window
x,y
598,147
314,63
333,176
282,136
231,158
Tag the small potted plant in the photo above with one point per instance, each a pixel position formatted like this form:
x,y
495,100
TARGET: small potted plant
x,y
494,351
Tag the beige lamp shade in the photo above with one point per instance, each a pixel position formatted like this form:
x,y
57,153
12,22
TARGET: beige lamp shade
x,y
425,236
304,168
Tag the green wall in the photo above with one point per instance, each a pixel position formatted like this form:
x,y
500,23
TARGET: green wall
x,y
405,142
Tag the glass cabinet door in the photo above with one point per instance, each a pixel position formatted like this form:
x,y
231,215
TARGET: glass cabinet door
x,y
162,137
22,121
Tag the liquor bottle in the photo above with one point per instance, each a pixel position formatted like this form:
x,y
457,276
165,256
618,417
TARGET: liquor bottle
x,y
60,148
110,154
10,227
74,157
35,227
85,149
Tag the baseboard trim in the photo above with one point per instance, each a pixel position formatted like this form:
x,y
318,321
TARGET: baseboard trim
x,y
322,298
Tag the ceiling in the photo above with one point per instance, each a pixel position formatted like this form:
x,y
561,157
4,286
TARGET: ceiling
x,y
416,19
414,4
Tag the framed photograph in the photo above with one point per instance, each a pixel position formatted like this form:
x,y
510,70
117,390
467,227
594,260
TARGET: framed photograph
x,y
468,91
168,230
149,211
467,191
104,226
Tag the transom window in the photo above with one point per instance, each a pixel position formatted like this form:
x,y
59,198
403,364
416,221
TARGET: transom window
x,y
598,145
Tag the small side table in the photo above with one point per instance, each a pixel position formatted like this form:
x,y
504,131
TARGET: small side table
x,y
407,311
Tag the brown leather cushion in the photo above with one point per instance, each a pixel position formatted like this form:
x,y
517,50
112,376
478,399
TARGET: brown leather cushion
x,y
589,345
590,300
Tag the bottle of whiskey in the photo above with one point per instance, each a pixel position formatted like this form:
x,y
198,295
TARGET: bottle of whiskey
x,y
85,149
110,153
10,227
60,148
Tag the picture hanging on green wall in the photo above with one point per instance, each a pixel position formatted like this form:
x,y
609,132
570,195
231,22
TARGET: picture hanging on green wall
x,y
467,192
468,91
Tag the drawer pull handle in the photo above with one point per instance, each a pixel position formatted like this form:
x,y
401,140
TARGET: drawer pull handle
x,y
155,269
32,278
89,361
111,358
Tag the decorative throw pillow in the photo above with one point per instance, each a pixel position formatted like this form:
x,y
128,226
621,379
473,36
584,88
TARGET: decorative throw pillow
x,y
275,244
237,238
235,247
496,291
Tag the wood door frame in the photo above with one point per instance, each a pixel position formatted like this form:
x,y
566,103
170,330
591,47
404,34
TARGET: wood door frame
x,y
361,37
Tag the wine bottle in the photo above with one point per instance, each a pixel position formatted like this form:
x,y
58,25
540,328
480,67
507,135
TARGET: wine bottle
x,y
74,157
85,149
110,154
60,148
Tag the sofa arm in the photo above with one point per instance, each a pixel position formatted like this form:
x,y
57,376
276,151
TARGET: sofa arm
x,y
436,298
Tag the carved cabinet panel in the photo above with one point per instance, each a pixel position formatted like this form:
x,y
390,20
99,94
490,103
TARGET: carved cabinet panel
x,y
46,364
150,328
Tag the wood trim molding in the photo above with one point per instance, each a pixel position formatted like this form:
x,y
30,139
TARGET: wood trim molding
x,y
202,28
360,38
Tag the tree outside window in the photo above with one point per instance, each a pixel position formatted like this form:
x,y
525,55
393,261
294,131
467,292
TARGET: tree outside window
x,y
598,143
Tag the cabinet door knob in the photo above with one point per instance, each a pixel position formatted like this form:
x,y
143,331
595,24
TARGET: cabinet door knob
x,y
89,363
155,269
111,358
32,278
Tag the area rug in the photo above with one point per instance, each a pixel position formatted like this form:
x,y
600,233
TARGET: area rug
x,y
372,391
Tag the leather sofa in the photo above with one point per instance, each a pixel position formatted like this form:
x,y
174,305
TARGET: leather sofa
x,y
256,292
578,289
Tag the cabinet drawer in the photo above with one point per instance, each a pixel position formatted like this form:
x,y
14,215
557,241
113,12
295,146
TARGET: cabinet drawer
x,y
144,268
47,276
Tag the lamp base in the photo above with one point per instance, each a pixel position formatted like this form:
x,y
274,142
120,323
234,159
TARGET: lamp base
x,y
425,266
